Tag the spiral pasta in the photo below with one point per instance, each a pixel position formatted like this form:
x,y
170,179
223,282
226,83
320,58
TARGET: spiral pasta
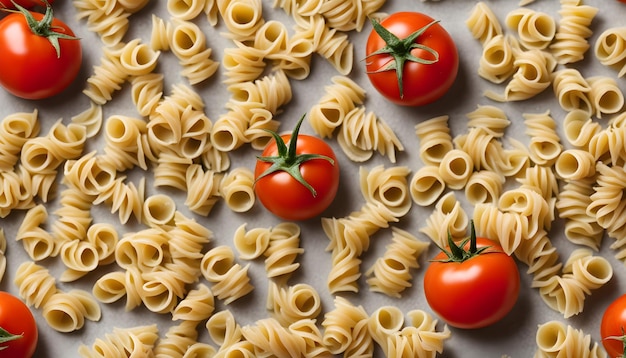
x,y
177,340
290,304
570,41
339,324
572,90
434,139
282,251
197,305
391,274
202,189
545,145
535,29
16,129
555,338
230,279
134,341
188,43
340,98
426,185
483,23
609,47
497,61
448,218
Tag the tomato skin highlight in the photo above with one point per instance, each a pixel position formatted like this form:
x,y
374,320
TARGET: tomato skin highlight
x,y
16,318
29,66
475,293
29,4
288,199
423,83
613,325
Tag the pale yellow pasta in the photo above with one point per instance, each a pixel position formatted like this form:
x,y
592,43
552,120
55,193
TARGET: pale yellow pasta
x,y
124,198
35,284
480,149
230,279
160,34
137,59
572,203
339,99
147,91
237,189
575,164
391,273
535,29
331,44
188,43
556,339
605,95
79,258
606,145
455,168
532,76
570,41
290,304
15,130
89,175
609,49
592,271
123,342
66,312
339,323
104,237
434,139
123,144
185,10
158,210
177,340
541,179
224,329
243,63
107,77
545,145
145,249
483,23
572,90
295,61
579,128
497,60
607,204
171,171
187,239
270,338
426,185
38,243
241,18
348,15
202,189
491,119
73,216
198,305
447,218
271,37
383,323
283,250
251,244
110,25
362,133
484,186
162,290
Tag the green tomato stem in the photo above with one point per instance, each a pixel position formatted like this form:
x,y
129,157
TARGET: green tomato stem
x,y
6,336
44,27
400,50
288,160
457,253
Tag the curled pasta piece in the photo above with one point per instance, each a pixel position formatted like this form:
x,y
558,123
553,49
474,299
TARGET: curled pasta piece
x,y
391,274
575,164
579,128
137,59
572,90
535,29
570,40
243,63
605,96
35,284
290,304
224,329
447,218
328,42
159,210
426,185
484,186
554,338
66,312
385,322
177,340
147,91
545,145
269,337
435,139
230,280
202,189
609,49
455,168
123,341
483,23
282,251
197,305
339,324
251,244
15,130
38,243
241,18
572,203
185,10
497,61
339,99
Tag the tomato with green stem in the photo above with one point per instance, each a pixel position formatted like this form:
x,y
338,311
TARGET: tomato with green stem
x,y
41,56
410,58
18,328
472,284
613,328
297,175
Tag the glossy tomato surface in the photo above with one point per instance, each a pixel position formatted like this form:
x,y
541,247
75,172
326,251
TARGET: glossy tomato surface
x,y
29,66
475,293
29,4
613,327
422,83
287,198
17,319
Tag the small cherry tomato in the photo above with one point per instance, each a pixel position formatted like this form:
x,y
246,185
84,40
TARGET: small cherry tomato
x,y
297,176
613,328
411,59
18,329
473,284
40,54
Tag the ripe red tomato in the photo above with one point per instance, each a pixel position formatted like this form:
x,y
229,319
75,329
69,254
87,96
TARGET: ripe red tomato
x,y
613,327
18,322
476,288
418,82
30,65
29,4
297,180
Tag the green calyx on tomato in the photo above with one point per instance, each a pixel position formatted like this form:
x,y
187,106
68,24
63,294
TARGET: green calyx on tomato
x,y
44,27
287,160
457,253
6,336
622,339
400,50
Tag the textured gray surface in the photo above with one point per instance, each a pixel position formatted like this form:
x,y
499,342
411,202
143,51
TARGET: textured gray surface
x,y
514,336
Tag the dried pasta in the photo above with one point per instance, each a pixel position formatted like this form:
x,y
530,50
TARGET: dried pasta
x,y
535,29
570,41
290,304
483,23
609,49
133,341
555,338
230,279
434,139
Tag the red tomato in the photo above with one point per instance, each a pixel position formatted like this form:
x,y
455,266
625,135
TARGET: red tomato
x,y
613,327
29,4
281,192
30,66
17,320
475,291
422,83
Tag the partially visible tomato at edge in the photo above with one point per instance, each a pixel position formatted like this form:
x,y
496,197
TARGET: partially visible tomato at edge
x,y
29,65
29,4
474,293
17,319
422,83
287,198
613,327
